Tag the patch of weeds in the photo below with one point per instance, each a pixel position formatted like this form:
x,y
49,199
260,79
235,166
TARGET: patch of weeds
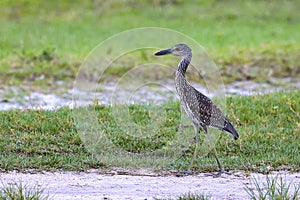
x,y
274,188
188,196
19,191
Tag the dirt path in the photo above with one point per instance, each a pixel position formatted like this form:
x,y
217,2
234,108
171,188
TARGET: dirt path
x,y
71,185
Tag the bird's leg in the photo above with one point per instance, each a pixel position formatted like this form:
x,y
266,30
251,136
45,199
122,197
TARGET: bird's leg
x,y
196,128
221,170
219,164
217,159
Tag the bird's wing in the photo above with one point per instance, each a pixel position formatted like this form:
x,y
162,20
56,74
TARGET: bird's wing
x,y
204,110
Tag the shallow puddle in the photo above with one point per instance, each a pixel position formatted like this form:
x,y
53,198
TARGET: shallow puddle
x,y
12,97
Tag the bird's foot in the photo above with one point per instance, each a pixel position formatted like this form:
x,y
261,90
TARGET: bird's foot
x,y
220,172
185,173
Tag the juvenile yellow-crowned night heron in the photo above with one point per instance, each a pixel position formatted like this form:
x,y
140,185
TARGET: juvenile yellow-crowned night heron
x,y
199,108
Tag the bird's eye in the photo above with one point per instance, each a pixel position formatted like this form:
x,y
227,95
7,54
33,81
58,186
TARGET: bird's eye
x,y
177,49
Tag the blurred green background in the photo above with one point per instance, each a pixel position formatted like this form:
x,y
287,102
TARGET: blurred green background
x,y
53,37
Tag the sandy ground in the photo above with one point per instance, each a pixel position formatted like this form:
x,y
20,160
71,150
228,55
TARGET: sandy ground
x,y
93,185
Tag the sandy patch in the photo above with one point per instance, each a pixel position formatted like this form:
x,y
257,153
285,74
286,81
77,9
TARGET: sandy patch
x,y
93,185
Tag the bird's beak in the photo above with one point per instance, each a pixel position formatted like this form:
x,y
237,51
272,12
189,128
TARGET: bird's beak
x,y
163,52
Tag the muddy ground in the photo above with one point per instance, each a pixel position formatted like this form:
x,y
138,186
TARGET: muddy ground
x,y
95,185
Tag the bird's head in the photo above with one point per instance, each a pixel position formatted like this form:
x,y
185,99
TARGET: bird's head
x,y
177,50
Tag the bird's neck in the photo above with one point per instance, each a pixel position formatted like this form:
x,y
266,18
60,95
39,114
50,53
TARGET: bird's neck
x,y
183,65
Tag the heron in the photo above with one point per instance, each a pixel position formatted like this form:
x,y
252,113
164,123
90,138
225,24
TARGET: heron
x,y
198,107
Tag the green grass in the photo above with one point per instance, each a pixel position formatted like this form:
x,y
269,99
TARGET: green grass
x,y
235,33
43,140
188,196
53,140
274,188
19,191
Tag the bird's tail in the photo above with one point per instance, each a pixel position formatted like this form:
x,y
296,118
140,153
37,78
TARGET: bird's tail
x,y
230,129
